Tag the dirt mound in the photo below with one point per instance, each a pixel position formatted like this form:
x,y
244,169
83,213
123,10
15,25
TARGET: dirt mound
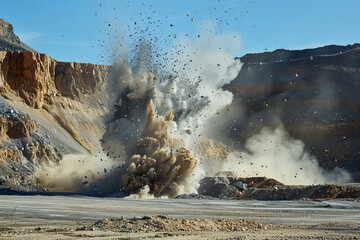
x,y
232,187
303,192
194,196
262,188
164,224
338,191
260,182
219,187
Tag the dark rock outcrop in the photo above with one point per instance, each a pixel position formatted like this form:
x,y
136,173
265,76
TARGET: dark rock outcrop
x,y
260,188
9,41
313,93
283,55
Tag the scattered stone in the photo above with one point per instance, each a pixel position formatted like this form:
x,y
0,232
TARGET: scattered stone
x,y
162,223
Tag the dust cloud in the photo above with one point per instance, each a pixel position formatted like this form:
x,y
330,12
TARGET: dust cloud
x,y
164,125
162,158
200,68
162,163
75,173
275,154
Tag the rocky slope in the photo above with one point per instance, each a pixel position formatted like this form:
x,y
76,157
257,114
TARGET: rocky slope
x,y
48,109
313,93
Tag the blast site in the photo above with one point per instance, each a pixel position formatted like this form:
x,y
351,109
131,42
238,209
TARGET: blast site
x,y
164,124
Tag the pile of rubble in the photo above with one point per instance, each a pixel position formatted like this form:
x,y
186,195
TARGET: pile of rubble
x,y
262,188
162,223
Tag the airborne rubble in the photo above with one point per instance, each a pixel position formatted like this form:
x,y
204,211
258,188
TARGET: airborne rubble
x,y
51,109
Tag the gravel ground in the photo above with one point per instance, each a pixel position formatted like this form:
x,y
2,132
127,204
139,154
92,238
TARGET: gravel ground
x,y
62,217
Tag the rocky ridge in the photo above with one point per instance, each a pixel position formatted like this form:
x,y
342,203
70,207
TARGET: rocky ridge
x,y
312,93
9,41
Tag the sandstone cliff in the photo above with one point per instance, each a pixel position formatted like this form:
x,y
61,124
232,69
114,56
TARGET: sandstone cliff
x,y
29,75
74,79
36,77
47,109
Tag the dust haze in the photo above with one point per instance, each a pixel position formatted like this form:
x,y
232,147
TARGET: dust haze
x,y
165,118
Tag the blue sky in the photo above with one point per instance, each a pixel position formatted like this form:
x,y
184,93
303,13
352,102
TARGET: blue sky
x,y
78,30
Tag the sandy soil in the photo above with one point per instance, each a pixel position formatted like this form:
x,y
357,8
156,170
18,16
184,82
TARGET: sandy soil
x,y
38,229
63,217
136,229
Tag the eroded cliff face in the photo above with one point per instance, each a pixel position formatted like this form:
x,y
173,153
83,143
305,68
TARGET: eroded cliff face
x,y
16,126
35,77
48,109
74,79
29,75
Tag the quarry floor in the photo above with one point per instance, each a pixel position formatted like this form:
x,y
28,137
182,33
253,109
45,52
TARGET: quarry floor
x,y
63,217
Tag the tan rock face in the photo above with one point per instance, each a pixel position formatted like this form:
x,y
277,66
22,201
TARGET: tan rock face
x,y
36,77
3,126
30,75
17,127
41,154
73,79
59,89
13,155
41,82
20,127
